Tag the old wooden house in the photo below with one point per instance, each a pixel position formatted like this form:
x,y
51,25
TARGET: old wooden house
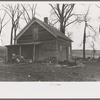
x,y
39,41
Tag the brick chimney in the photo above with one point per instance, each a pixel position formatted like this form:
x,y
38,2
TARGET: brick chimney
x,y
46,20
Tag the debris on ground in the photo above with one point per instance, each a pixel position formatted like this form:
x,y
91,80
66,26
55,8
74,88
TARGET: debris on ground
x,y
19,59
29,75
70,64
81,65
64,66
78,64
58,65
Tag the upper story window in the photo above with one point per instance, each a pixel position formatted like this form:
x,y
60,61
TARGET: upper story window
x,y
35,32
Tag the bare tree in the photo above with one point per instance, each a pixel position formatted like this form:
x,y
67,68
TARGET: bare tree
x,y
29,12
85,19
92,45
2,23
63,13
14,13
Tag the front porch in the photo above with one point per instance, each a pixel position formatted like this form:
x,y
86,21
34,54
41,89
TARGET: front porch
x,y
27,50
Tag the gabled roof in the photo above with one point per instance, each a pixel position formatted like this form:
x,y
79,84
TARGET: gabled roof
x,y
49,28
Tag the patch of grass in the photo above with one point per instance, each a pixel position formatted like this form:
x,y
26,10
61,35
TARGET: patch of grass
x,y
46,72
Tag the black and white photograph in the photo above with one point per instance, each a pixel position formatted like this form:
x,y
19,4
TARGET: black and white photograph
x,y
49,42
49,49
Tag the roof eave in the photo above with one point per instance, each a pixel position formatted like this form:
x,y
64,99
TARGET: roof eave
x,y
65,39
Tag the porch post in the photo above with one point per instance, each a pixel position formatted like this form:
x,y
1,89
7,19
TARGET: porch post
x,y
20,51
33,52
6,54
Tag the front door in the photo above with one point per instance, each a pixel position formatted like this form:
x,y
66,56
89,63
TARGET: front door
x,y
26,51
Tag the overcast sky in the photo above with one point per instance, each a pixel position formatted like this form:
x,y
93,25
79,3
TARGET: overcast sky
x,y
43,9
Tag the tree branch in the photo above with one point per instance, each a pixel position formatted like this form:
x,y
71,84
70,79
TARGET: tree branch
x,y
54,10
71,22
6,23
26,12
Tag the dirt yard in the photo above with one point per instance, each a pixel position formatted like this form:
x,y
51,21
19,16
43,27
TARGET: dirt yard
x,y
49,72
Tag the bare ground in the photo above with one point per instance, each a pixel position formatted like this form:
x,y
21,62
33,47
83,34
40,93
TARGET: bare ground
x,y
48,72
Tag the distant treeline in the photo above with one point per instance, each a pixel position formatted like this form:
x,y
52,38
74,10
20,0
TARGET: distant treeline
x,y
79,53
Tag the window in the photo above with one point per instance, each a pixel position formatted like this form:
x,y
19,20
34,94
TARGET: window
x,y
35,33
60,47
69,50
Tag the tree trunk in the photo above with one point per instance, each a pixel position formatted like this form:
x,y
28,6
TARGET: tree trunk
x,y
15,29
11,36
62,28
84,41
94,51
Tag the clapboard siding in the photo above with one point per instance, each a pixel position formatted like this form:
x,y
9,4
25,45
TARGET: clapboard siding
x,y
25,41
47,49
43,34
62,48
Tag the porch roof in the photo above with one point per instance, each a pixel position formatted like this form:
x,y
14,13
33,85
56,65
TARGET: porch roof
x,y
20,44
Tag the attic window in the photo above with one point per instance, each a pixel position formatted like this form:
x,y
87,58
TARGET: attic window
x,y
35,33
